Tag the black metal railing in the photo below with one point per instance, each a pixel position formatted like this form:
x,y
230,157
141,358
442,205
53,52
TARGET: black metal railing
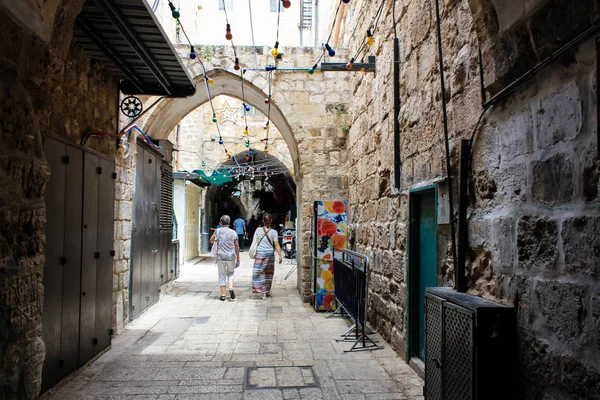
x,y
350,271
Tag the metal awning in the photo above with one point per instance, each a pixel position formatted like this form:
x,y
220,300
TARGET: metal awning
x,y
127,39
192,177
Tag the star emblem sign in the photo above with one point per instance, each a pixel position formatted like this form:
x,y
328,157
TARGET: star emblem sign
x,y
228,114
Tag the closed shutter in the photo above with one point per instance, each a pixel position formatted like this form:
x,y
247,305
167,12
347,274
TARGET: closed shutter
x,y
166,198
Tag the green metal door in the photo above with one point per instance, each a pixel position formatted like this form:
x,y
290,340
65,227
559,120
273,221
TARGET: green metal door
x,y
423,263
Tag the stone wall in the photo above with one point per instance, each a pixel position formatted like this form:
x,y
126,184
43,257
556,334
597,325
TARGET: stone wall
x,y
534,209
46,85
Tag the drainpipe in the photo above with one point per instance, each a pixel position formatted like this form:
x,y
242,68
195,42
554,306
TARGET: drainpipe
x,y
316,23
397,149
457,278
177,131
463,233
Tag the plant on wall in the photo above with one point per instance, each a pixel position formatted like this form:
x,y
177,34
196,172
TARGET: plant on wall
x,y
208,52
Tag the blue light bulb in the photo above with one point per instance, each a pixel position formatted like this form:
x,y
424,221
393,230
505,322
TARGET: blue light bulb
x,y
192,52
346,1
330,50
220,141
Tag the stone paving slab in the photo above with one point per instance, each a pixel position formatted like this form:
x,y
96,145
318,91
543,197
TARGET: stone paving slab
x,y
190,345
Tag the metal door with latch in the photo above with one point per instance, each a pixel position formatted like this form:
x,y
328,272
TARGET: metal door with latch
x,y
104,266
89,258
137,235
62,269
422,263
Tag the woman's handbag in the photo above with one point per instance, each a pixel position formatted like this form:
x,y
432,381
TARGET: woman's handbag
x,y
215,247
255,244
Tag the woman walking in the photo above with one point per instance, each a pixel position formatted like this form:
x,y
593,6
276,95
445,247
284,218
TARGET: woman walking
x,y
228,253
264,261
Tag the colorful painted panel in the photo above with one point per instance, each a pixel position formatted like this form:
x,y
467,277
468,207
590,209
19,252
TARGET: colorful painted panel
x,y
331,230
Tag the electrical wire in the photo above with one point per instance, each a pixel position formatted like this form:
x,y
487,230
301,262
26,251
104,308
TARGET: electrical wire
x,y
330,33
373,27
252,31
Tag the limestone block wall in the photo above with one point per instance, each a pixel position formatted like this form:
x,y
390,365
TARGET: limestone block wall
x,y
533,206
46,85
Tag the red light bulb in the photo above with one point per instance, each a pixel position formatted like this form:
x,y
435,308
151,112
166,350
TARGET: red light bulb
x,y
228,34
286,3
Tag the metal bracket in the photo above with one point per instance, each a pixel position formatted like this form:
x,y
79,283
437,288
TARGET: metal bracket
x,y
369,66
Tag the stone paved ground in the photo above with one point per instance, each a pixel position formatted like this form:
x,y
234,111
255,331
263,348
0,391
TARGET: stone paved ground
x,y
193,346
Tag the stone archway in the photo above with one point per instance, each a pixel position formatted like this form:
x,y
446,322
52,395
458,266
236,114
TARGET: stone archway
x,y
171,111
310,123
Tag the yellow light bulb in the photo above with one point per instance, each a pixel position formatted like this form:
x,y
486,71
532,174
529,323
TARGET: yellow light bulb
x,y
370,41
210,81
274,52
245,132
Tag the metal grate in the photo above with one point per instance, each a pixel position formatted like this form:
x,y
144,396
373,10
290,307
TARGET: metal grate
x,y
458,352
166,198
306,14
434,335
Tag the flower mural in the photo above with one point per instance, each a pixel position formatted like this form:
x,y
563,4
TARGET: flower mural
x,y
331,234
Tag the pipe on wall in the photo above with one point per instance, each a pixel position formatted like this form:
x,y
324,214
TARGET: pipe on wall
x,y
463,229
447,144
397,147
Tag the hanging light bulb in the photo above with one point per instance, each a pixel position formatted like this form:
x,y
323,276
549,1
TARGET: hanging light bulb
x,y
286,3
220,141
330,50
247,107
266,150
174,12
312,69
346,1
228,34
236,64
214,118
350,64
245,133
250,152
268,100
247,144
275,50
210,81
370,40
192,52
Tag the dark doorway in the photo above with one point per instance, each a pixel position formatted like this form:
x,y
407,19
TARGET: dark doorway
x,y
422,271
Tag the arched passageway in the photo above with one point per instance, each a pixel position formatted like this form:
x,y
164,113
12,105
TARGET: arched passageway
x,y
253,191
311,128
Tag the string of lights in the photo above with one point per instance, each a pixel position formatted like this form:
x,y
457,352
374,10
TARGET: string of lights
x,y
237,67
370,40
327,47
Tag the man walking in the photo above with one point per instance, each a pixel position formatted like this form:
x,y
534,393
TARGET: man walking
x,y
240,228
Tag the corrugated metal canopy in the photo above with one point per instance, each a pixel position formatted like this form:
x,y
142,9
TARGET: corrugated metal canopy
x,y
127,39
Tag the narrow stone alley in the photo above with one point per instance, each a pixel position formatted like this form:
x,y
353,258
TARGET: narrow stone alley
x,y
192,346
